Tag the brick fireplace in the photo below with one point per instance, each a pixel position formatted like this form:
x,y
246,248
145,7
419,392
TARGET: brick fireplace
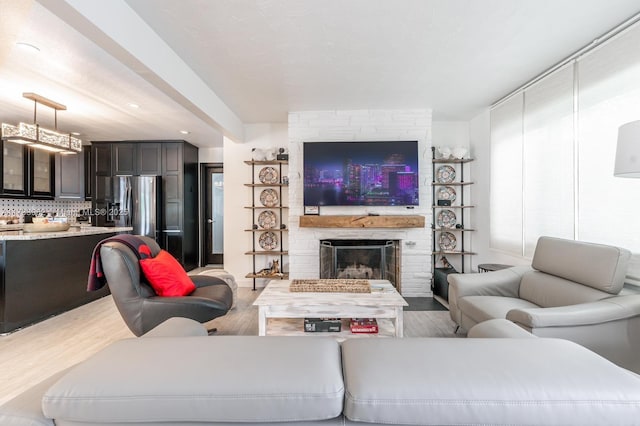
x,y
413,244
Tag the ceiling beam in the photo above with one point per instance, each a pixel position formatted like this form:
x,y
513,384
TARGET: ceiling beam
x,y
117,29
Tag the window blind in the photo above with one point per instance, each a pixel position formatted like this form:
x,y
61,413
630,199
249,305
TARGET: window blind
x,y
548,143
506,177
609,96
552,155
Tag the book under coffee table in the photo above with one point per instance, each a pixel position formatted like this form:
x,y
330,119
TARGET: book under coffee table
x,y
277,302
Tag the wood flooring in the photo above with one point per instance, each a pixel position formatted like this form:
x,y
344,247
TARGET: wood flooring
x,y
36,352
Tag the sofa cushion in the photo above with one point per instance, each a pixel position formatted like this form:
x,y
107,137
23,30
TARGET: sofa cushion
x,y
548,291
485,381
219,379
595,265
483,308
26,408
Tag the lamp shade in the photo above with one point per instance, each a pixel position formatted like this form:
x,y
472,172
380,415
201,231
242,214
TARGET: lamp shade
x,y
628,152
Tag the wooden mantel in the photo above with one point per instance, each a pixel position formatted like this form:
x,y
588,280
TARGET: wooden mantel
x,y
365,221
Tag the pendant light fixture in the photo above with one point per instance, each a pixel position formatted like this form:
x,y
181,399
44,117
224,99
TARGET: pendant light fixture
x,y
39,137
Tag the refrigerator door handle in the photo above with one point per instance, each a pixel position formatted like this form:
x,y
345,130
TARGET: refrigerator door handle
x,y
129,206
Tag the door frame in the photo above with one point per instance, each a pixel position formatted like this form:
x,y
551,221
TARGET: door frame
x,y
205,185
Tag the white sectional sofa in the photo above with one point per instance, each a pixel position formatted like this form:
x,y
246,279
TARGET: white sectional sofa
x,y
573,290
177,375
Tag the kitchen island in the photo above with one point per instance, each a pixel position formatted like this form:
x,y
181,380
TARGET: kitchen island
x,y
45,273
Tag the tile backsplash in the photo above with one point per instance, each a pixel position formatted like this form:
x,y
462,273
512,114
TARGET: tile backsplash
x,y
19,207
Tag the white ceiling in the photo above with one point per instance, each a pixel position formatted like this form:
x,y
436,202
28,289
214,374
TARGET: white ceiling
x,y
255,60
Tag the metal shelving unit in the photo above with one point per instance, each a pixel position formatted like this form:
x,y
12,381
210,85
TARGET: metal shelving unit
x,y
256,208
457,206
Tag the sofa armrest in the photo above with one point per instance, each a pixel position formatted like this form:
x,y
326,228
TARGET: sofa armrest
x,y
505,282
605,310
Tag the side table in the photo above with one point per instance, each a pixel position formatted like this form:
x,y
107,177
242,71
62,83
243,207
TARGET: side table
x,y
490,267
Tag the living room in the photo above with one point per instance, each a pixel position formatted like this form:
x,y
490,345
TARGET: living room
x,y
536,104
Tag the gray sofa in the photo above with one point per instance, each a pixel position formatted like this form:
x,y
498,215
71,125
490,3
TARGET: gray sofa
x,y
573,290
177,375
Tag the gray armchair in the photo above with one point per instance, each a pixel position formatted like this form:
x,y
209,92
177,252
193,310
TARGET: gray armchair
x,y
139,305
573,290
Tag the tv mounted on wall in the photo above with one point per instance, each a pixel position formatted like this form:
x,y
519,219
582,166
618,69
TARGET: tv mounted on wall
x,y
383,173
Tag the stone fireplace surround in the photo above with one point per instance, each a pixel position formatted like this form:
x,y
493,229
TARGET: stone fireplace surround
x,y
365,125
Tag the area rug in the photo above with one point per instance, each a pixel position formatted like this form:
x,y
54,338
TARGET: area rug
x,y
423,304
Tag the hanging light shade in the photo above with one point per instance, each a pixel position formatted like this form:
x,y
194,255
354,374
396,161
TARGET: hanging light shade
x,y
628,151
39,137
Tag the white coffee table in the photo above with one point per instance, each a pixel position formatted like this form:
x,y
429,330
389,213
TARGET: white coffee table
x,y
276,301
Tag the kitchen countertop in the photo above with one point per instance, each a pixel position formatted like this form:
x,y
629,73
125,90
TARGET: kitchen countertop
x,y
74,231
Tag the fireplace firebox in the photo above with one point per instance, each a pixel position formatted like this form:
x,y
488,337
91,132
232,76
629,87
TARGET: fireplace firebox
x,y
361,259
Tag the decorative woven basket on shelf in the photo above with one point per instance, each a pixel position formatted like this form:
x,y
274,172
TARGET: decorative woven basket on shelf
x,y
330,286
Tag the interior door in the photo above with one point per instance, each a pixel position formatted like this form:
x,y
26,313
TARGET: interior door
x,y
213,215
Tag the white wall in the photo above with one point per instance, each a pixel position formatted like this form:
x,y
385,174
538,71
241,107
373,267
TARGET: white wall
x,y
362,125
210,155
450,133
480,138
237,196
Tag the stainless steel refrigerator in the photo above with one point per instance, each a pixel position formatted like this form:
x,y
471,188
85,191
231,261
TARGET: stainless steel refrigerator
x,y
136,203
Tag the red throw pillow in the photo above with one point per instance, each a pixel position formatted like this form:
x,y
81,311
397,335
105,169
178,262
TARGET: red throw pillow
x,y
166,275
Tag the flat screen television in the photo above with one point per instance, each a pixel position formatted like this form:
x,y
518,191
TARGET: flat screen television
x,y
380,173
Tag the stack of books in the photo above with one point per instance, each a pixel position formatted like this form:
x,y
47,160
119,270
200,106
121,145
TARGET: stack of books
x,y
314,325
364,325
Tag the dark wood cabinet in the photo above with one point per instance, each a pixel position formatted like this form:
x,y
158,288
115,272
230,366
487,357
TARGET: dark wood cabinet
x,y
124,159
101,156
149,159
101,186
70,176
89,171
41,174
180,201
103,166
15,169
27,172
177,163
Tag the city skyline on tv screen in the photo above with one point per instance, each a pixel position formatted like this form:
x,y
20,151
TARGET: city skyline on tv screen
x,y
361,173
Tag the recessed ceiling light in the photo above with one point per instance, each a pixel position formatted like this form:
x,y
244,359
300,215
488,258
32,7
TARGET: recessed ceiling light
x,y
27,46
132,105
185,132
75,133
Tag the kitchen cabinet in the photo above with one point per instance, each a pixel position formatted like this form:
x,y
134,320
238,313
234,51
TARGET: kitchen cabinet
x,y
180,201
89,171
41,173
124,158
176,162
59,282
15,168
101,185
101,156
149,159
27,172
70,176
